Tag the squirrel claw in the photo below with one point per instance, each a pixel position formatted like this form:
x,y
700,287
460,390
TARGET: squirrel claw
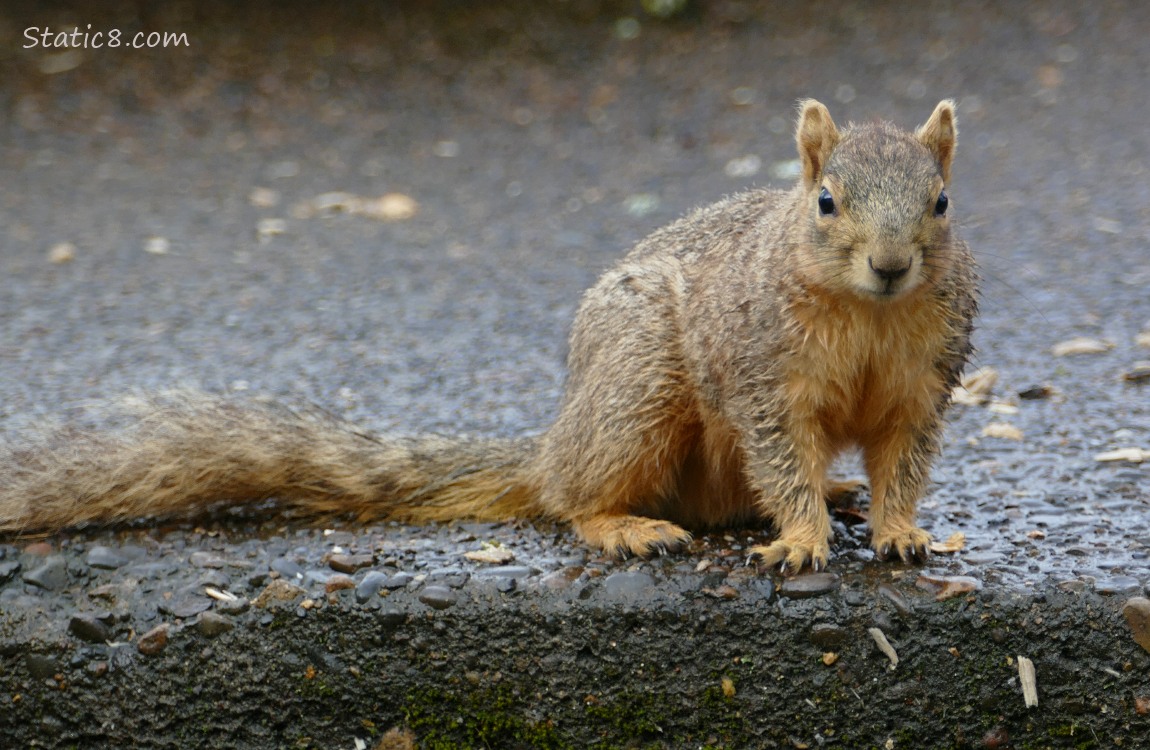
x,y
909,545
791,557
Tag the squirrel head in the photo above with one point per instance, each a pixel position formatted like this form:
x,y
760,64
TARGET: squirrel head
x,y
876,200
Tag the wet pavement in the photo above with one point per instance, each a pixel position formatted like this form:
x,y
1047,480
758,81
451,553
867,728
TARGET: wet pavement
x,y
215,215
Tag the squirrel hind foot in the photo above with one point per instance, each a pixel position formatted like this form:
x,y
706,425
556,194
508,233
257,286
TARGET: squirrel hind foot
x,y
626,535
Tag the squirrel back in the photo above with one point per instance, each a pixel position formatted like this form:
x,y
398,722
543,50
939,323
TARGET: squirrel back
x,y
714,374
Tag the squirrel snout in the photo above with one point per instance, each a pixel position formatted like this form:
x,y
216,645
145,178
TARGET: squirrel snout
x,y
890,269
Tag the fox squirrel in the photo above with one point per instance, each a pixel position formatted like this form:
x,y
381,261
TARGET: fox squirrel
x,y
715,372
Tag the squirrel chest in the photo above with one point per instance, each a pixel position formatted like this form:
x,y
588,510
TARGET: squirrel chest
x,y
861,366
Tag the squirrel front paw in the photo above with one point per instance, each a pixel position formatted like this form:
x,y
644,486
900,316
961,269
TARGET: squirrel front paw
x,y
792,555
909,544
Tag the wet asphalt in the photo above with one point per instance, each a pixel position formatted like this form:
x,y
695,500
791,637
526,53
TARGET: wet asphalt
x,y
210,215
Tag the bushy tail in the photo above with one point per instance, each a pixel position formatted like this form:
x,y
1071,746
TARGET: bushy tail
x,y
179,453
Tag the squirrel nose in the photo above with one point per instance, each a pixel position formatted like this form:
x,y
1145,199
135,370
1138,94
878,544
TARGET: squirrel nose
x,y
890,270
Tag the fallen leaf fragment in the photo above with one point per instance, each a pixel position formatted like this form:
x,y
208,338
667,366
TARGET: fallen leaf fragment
x,y
1036,392
725,592
1081,345
884,645
492,554
61,252
1134,455
1029,681
220,596
1139,372
268,228
157,245
948,587
60,62
954,543
1003,430
262,197
389,207
975,388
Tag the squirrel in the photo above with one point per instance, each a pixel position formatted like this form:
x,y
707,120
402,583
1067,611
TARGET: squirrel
x,y
714,373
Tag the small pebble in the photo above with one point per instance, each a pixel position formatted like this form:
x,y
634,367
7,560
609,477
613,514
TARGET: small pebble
x,y
350,563
105,558
627,584
438,597
89,628
398,581
370,586
1118,585
1137,613
450,577
8,570
505,571
212,624
338,582
561,579
154,641
287,568
234,607
895,597
185,607
278,590
40,666
808,585
207,560
828,636
52,575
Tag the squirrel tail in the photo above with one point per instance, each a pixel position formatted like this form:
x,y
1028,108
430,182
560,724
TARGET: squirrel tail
x,y
180,453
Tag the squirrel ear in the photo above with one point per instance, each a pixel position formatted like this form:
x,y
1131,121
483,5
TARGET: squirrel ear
x,y
816,136
940,136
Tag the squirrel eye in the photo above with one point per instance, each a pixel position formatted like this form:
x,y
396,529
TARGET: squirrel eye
x,y
941,204
827,203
